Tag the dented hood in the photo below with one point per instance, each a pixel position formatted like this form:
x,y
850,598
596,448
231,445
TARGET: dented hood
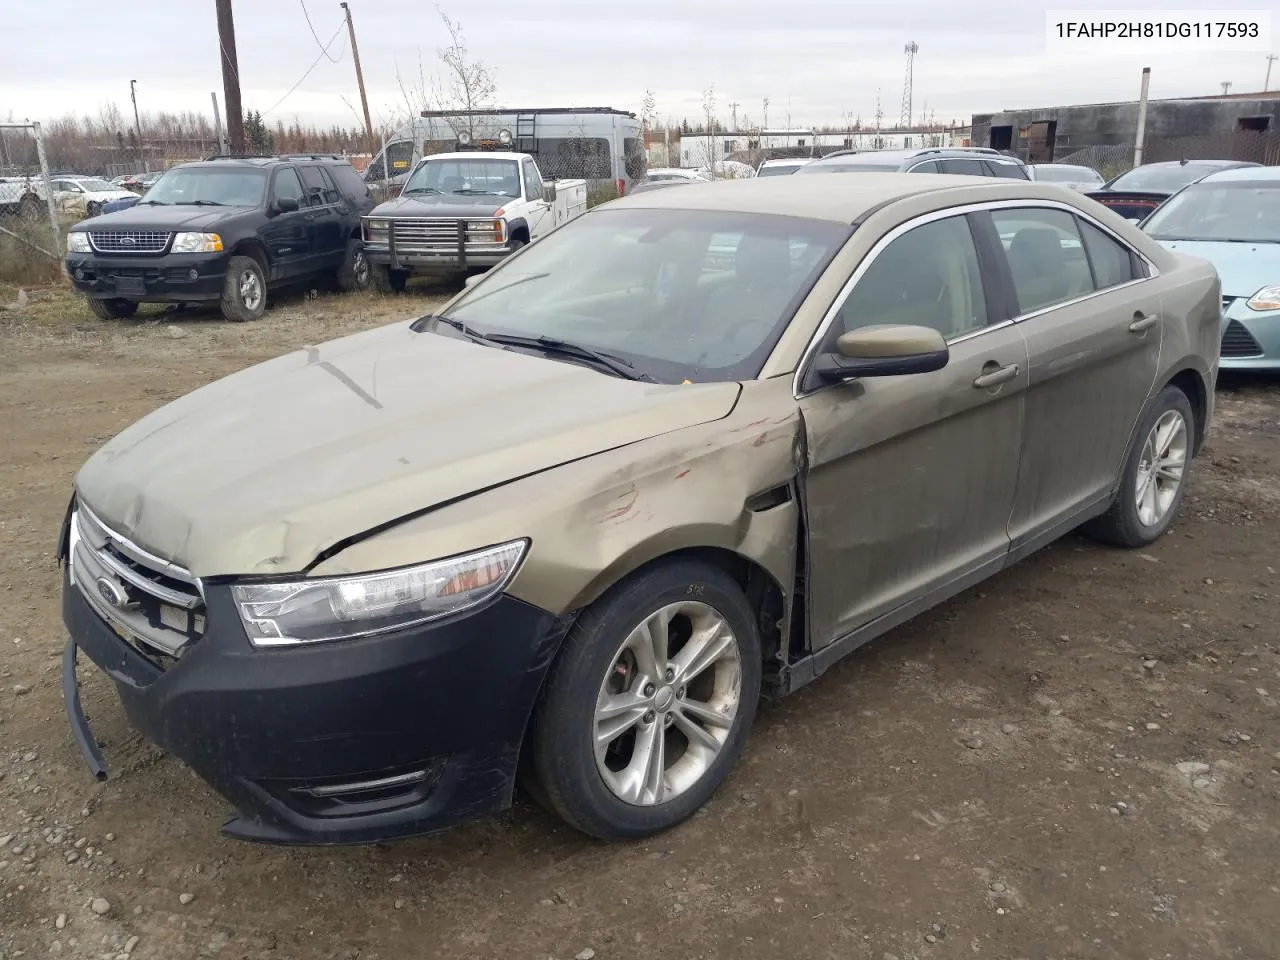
x,y
263,470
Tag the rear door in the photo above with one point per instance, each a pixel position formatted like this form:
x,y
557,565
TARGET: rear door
x,y
286,234
324,222
1092,323
911,479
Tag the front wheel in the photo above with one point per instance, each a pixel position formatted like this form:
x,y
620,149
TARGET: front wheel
x,y
648,704
386,280
1155,475
92,209
244,292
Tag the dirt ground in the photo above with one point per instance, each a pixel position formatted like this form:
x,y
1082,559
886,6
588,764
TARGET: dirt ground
x,y
1080,758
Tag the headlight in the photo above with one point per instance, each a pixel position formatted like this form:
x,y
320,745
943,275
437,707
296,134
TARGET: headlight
x,y
197,243
376,229
1268,298
340,608
486,231
78,242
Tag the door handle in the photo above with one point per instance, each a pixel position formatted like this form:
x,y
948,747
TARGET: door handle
x,y
996,377
1141,323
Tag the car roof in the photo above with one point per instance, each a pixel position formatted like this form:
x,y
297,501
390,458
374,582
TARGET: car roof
x,y
779,161
904,156
1061,166
1243,173
477,154
840,198
1202,164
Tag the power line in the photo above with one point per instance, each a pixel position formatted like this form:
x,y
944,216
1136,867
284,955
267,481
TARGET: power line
x,y
324,52
311,27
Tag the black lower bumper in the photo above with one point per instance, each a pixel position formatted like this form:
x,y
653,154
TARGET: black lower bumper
x,y
173,278
348,742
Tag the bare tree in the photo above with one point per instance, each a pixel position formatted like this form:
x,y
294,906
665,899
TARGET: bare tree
x,y
468,84
709,112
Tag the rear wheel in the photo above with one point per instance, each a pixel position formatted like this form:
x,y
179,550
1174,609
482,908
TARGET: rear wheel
x,y
1155,475
112,308
386,280
648,704
354,273
244,292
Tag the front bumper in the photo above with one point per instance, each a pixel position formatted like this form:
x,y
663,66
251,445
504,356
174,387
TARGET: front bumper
x,y
162,279
448,260
1250,339
347,742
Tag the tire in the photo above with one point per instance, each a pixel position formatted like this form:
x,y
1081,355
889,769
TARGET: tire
x,y
92,209
516,244
1126,524
355,273
386,280
244,292
112,309
595,661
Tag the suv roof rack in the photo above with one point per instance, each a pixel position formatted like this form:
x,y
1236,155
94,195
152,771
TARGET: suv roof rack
x,y
988,150
833,153
276,156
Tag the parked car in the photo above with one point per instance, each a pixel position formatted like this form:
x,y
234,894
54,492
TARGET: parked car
x,y
1134,194
654,174
124,203
781,166
1070,175
22,196
225,231
1232,219
644,186
971,161
84,196
463,210
595,506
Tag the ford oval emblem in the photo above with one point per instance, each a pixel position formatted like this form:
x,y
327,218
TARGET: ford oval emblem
x,y
112,593
128,240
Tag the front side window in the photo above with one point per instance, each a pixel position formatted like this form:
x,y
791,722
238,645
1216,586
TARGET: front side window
x,y
469,176
929,166
288,186
532,182
1224,211
928,277
696,295
209,185
1045,254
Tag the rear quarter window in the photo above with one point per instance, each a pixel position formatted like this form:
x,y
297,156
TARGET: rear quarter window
x,y
1012,171
349,182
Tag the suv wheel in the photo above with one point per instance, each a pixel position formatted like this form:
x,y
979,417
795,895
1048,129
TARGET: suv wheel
x,y
244,293
354,272
386,280
112,309
648,704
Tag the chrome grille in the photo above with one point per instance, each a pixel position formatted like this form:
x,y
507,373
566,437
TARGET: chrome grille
x,y
438,234
129,241
1237,342
155,606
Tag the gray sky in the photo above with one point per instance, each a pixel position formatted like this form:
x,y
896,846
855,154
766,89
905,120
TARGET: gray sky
x,y
824,58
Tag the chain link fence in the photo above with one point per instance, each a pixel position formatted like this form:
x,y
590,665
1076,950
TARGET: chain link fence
x,y
1248,146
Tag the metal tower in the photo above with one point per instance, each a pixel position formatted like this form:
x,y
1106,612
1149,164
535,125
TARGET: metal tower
x,y
911,49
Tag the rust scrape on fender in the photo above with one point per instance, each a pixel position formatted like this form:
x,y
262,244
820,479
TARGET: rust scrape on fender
x,y
593,521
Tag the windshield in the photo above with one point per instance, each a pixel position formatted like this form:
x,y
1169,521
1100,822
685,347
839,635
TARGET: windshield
x,y
695,295
1067,175
97,186
483,176
1238,211
232,188
862,167
1160,179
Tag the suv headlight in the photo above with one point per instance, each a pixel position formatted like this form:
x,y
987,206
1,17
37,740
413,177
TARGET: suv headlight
x,y
196,243
1268,298
341,608
78,242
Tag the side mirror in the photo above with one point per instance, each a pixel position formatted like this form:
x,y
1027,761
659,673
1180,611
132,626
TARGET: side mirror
x,y
286,204
549,192
886,350
472,279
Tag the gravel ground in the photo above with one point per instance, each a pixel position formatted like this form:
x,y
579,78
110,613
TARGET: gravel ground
x,y
1079,758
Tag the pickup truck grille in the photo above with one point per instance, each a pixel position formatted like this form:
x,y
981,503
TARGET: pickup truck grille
x,y
1237,342
154,606
129,241
440,234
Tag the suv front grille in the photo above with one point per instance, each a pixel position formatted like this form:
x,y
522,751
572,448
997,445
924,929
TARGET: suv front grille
x,y
155,606
1238,342
129,241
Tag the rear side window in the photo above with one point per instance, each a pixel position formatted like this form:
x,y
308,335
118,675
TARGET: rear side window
x,y
1011,170
313,185
973,168
349,182
1112,262
1045,254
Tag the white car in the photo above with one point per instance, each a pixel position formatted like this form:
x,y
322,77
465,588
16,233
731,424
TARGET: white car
x,y
85,196
1070,175
675,173
781,166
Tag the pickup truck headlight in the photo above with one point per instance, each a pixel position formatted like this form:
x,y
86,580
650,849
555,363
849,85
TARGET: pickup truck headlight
x,y
197,243
1268,298
377,231
78,242
342,608
486,231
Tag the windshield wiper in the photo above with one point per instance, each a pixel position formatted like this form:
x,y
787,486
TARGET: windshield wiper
x,y
468,192
422,190
458,325
567,348
153,203
200,203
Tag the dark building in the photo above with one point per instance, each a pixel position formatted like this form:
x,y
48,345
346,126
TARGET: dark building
x,y
1231,127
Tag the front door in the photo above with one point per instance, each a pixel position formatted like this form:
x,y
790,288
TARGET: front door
x,y
1092,325
911,479
287,234
538,214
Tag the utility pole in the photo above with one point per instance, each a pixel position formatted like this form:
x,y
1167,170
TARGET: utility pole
x,y
230,76
1142,117
1266,84
355,55
733,108
1226,86
137,125
765,111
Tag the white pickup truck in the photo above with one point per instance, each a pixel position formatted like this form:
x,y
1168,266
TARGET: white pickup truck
x,y
458,211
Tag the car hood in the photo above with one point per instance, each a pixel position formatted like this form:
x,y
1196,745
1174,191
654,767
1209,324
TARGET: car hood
x,y
441,205
262,471
105,195
142,216
1245,268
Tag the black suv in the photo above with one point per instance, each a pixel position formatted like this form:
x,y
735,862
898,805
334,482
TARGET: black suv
x,y
971,161
225,229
